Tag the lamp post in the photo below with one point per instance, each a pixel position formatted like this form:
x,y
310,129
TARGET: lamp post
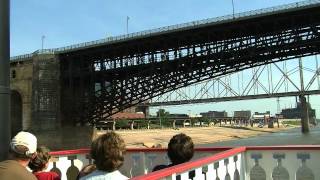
x,y
4,78
232,9
128,24
42,41
160,118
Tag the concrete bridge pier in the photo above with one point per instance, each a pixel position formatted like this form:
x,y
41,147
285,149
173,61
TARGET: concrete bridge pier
x,y
304,115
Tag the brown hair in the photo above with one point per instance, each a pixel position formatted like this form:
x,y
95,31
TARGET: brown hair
x,y
40,161
19,152
108,151
180,148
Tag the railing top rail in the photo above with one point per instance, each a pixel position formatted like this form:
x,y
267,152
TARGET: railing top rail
x,y
86,150
286,147
189,165
172,28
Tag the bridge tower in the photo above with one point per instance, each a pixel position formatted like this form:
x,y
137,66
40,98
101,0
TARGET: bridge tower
x,y
35,92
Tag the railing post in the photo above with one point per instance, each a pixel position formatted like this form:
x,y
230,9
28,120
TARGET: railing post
x,y
243,166
4,78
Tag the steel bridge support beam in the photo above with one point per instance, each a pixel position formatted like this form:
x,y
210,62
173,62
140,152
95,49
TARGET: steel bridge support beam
x,y
4,78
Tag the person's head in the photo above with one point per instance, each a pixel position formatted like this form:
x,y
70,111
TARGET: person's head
x,y
41,160
23,146
180,148
108,151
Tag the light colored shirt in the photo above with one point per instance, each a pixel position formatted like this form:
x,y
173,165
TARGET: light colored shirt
x,y
103,175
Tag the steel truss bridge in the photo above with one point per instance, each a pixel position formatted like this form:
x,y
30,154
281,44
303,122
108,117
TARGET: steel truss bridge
x,y
282,79
103,77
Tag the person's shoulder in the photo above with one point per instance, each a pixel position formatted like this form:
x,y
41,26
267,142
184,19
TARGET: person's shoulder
x,y
10,163
47,175
92,176
102,175
117,174
11,169
54,175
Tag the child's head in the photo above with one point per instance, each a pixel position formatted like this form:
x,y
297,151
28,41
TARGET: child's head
x,y
180,148
41,160
108,151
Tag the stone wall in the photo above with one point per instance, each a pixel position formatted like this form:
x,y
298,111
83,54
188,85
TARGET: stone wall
x,y
65,138
46,92
21,82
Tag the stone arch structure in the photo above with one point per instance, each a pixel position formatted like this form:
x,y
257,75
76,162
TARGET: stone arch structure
x,y
21,84
16,112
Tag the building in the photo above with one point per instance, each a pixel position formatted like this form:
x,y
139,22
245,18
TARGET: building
x,y
295,113
214,114
246,114
261,116
178,116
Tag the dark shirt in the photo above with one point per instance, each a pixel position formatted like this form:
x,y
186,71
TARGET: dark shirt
x,y
12,170
47,176
159,167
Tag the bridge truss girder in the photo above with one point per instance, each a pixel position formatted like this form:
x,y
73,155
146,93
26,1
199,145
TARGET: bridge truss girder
x,y
136,71
273,80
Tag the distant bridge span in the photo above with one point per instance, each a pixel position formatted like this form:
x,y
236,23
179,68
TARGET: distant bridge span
x,y
233,98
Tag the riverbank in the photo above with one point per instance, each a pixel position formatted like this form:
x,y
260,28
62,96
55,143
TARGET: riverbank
x,y
200,135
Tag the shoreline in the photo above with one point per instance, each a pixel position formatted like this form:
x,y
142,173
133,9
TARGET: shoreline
x,y
201,136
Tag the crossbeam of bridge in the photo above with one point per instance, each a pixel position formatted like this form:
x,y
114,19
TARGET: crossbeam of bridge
x,y
111,77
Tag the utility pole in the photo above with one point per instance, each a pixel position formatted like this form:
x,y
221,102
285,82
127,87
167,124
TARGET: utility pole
x,y
278,105
5,124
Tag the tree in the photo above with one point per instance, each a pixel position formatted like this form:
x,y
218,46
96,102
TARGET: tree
x,y
163,117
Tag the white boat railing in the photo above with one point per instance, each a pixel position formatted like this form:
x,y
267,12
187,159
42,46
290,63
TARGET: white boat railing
x,y
239,163
137,161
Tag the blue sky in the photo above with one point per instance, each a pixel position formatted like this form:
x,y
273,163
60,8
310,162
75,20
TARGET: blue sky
x,y
67,22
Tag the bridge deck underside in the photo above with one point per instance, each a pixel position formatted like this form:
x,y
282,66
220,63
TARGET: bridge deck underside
x,y
98,82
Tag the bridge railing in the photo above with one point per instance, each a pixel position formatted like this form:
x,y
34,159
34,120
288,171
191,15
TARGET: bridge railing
x,y
177,27
269,162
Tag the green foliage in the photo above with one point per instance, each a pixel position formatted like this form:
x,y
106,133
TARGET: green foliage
x,y
295,123
163,117
205,120
122,123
